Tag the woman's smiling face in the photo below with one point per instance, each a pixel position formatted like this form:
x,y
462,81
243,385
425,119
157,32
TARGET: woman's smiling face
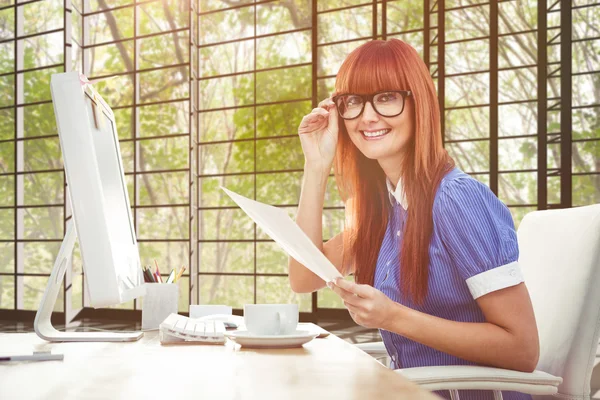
x,y
380,138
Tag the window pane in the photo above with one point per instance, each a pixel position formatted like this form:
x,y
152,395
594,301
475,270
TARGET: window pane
x,y
279,189
7,128
7,157
518,188
226,125
42,16
7,224
272,18
234,291
226,157
124,121
585,123
163,188
517,16
468,123
168,255
161,154
467,23
163,50
42,51
516,50
276,51
271,259
109,59
7,23
163,119
116,91
228,257
37,84
45,188
586,190
212,196
517,119
164,84
404,15
468,90
584,88
217,27
330,57
239,56
345,25
38,120
7,263
516,85
277,290
281,119
278,154
7,90
100,27
39,257
467,57
33,288
7,292
41,154
226,224
471,156
162,16
516,154
41,223
163,223
586,156
7,192
232,91
283,84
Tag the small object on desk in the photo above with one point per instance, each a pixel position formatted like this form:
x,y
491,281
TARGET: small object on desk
x,y
36,356
158,277
296,339
180,273
178,329
171,277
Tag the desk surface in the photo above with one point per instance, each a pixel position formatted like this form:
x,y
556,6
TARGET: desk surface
x,y
328,368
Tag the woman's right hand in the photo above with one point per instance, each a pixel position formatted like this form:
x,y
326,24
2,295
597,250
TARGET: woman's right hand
x,y
318,133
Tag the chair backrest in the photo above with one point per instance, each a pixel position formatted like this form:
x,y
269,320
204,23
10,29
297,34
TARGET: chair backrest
x,y
560,260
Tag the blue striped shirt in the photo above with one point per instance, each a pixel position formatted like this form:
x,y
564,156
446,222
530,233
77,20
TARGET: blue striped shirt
x,y
473,251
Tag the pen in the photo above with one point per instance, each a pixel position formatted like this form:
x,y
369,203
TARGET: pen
x,y
36,356
158,272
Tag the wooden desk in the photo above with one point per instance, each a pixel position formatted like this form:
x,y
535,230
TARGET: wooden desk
x,y
328,368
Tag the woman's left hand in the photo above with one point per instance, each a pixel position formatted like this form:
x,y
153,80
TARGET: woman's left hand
x,y
368,306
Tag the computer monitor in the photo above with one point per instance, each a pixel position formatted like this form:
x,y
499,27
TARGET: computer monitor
x,y
100,206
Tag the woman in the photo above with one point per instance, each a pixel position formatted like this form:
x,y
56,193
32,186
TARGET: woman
x,y
433,251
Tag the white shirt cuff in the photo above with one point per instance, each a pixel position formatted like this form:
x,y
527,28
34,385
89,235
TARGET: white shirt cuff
x,y
495,279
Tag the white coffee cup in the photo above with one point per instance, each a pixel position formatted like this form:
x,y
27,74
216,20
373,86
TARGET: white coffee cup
x,y
271,319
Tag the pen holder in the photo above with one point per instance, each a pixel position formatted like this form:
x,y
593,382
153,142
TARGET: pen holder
x,y
160,301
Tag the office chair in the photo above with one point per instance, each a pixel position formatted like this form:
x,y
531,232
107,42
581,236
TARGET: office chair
x,y
560,260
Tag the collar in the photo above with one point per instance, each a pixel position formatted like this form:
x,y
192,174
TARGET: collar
x,y
399,195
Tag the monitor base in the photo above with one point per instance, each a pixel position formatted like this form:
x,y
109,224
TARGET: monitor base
x,y
42,324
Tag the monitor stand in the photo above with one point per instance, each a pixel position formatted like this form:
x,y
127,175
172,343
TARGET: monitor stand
x,y
42,325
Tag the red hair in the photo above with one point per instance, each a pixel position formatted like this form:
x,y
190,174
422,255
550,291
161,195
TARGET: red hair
x,y
391,65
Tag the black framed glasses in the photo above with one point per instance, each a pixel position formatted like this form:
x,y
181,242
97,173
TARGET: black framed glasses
x,y
388,103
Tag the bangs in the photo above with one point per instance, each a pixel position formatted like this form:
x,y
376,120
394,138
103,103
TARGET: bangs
x,y
372,67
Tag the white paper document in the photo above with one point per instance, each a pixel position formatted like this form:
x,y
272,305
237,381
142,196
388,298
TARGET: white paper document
x,y
287,234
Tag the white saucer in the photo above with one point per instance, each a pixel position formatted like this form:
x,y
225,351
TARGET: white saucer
x,y
246,339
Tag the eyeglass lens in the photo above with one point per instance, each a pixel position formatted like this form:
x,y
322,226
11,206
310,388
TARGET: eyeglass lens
x,y
388,104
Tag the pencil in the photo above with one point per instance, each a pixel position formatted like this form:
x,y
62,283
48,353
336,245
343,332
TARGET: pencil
x,y
158,272
180,273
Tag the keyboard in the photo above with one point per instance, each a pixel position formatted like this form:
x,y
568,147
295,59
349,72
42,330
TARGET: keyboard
x,y
178,329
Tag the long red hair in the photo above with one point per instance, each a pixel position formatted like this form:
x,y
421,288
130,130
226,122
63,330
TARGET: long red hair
x,y
391,65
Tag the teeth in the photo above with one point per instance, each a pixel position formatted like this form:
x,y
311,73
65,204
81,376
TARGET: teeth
x,y
376,133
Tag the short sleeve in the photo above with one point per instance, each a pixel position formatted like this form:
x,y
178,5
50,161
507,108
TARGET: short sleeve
x,y
477,230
